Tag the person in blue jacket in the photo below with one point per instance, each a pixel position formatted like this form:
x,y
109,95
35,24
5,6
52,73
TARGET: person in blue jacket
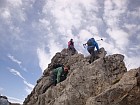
x,y
91,45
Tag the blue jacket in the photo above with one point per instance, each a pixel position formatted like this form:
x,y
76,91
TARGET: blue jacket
x,y
94,44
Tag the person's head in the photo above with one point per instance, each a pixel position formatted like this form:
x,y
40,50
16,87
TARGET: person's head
x,y
92,38
71,39
66,67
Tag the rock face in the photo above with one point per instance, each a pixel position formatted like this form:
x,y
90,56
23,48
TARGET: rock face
x,y
14,104
4,101
102,82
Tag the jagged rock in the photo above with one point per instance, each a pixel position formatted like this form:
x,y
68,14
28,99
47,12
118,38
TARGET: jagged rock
x,y
4,101
125,92
14,104
104,80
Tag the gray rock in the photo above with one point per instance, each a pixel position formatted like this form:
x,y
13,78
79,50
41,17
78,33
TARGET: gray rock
x,y
102,82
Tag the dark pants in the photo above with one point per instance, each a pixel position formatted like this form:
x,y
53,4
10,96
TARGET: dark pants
x,y
52,82
92,53
72,49
53,79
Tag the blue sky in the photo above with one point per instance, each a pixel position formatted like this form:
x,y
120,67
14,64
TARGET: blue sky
x,y
32,31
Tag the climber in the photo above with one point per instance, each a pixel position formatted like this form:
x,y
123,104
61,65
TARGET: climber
x,y
91,44
57,75
71,47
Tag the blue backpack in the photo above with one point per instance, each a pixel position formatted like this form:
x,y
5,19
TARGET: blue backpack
x,y
90,42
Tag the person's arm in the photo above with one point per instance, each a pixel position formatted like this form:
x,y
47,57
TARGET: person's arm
x,y
59,74
96,45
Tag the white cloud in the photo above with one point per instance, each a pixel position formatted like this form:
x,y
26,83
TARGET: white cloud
x,y
84,35
113,11
90,4
54,47
12,10
44,58
93,30
121,37
15,3
132,62
65,17
29,86
14,100
15,72
44,22
109,47
14,59
6,14
120,3
69,13
134,14
130,26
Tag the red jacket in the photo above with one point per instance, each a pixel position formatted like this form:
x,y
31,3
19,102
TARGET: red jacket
x,y
70,43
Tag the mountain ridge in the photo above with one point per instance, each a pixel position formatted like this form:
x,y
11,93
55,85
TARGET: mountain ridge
x,y
95,83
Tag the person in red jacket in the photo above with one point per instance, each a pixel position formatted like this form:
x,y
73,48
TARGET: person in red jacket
x,y
71,46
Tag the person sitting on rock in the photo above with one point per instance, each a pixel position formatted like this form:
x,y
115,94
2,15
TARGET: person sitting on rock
x,y
91,44
71,47
57,75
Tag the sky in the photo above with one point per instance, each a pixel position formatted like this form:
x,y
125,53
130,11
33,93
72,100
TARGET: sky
x,y
32,31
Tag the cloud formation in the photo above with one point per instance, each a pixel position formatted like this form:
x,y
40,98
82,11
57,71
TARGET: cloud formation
x,y
14,100
14,59
29,86
44,58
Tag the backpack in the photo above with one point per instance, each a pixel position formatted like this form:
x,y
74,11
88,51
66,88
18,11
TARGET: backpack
x,y
89,42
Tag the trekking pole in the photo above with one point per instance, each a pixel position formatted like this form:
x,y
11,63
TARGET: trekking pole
x,y
84,45
100,40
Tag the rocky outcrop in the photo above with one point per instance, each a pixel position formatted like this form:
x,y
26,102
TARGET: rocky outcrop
x,y
4,101
102,82
125,92
14,104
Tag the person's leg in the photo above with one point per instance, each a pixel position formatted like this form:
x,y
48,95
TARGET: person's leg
x,y
92,54
71,50
89,50
52,82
